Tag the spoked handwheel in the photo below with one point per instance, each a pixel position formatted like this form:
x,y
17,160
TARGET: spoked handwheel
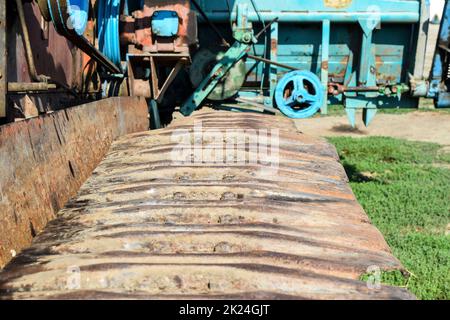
x,y
299,94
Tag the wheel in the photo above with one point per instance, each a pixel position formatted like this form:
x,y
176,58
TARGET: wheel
x,y
155,121
299,94
204,61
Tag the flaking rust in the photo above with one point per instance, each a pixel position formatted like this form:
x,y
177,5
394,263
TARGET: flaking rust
x,y
159,220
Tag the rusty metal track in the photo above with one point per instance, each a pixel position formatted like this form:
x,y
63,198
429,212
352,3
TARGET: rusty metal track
x,y
144,227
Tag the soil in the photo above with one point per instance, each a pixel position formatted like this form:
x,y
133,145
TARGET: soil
x,y
415,126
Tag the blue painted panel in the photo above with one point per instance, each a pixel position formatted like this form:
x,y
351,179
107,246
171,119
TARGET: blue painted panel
x,y
165,23
314,10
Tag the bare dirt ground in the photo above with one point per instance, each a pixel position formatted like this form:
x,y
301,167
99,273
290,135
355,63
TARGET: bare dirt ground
x,y
416,126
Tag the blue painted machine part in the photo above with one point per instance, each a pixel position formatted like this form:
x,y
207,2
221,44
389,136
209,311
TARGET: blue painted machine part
x,y
439,86
351,43
78,15
165,23
305,94
108,29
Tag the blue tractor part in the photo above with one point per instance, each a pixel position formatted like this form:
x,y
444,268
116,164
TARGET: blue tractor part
x,y
299,94
365,48
68,16
439,86
244,38
165,23
108,29
78,15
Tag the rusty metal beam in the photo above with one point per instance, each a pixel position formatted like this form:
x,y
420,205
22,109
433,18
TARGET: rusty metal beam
x,y
44,161
147,227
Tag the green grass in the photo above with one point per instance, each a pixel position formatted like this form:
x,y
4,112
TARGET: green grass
x,y
405,189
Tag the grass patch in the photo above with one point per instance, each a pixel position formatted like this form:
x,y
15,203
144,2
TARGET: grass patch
x,y
407,196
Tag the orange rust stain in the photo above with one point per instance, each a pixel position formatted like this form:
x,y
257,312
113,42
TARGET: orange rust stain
x,y
274,45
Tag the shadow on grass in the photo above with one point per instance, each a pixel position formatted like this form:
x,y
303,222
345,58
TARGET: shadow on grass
x,y
346,128
354,175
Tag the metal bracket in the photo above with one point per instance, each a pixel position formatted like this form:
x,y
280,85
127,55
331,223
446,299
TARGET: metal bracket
x,y
244,36
234,54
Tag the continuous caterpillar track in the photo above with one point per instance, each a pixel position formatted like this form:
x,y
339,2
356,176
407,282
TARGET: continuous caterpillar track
x,y
145,226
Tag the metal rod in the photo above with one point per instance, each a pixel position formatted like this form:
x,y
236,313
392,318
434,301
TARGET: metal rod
x,y
29,86
257,105
361,89
212,25
266,27
278,64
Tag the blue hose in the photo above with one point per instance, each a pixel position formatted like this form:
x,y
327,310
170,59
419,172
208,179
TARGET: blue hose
x,y
108,29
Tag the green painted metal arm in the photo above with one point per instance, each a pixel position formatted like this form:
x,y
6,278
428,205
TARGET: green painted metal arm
x,y
235,53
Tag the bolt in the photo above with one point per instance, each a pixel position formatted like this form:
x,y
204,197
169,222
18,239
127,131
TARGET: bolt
x,y
247,38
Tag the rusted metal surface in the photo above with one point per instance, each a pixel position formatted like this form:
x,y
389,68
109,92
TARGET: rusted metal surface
x,y
45,160
147,227
53,57
3,78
